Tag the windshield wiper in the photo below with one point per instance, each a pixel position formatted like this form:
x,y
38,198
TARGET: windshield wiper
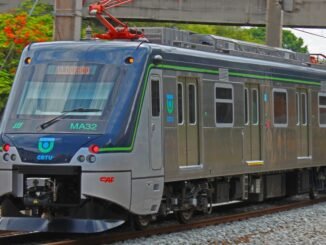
x,y
63,114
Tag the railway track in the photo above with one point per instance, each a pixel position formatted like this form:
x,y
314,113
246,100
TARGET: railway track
x,y
110,237
11,237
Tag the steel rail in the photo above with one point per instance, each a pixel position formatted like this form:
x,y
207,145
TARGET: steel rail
x,y
110,237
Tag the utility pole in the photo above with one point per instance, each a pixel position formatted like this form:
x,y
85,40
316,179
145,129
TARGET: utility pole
x,y
274,23
68,17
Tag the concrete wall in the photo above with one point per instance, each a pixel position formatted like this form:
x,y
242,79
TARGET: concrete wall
x,y
307,13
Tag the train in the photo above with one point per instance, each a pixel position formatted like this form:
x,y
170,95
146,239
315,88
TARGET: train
x,y
98,133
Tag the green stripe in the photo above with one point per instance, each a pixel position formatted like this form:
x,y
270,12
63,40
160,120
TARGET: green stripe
x,y
280,79
185,68
238,74
198,70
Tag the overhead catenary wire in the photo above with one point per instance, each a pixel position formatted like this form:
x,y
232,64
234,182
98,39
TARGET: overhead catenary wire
x,y
310,33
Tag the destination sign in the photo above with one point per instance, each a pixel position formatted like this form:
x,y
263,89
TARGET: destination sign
x,y
71,70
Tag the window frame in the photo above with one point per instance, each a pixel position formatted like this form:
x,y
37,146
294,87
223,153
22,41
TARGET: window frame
x,y
228,86
183,104
298,112
257,108
281,125
194,85
156,80
246,107
321,94
305,109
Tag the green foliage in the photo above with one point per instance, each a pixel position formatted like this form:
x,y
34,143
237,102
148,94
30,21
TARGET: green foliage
x,y
290,41
5,86
18,29
40,9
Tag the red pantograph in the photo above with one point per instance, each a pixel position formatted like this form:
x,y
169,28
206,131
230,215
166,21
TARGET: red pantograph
x,y
121,30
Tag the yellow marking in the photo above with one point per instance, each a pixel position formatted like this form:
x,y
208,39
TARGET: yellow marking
x,y
35,201
255,163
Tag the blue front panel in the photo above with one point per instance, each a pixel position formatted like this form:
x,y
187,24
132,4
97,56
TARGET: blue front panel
x,y
63,77
47,148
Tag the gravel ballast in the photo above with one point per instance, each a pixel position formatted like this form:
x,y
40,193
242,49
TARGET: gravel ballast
x,y
300,226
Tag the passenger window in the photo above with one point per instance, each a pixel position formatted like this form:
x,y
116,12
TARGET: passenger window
x,y
246,105
224,105
155,85
180,103
192,103
322,109
255,107
297,108
304,109
280,108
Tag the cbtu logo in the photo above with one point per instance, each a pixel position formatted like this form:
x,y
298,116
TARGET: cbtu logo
x,y
45,145
170,103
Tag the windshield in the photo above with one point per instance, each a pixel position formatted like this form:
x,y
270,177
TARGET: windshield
x,y
58,88
78,88
49,90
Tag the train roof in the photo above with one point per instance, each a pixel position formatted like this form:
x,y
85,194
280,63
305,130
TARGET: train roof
x,y
205,53
258,68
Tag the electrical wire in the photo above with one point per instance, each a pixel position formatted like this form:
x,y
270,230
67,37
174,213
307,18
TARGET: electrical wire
x,y
310,33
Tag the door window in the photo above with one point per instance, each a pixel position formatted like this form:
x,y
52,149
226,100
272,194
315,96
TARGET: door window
x,y
246,106
297,107
280,108
303,109
192,103
322,109
155,84
224,105
255,107
180,103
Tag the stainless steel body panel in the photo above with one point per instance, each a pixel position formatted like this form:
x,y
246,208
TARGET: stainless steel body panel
x,y
7,180
188,127
117,189
182,123
243,149
223,151
146,195
155,129
303,122
252,124
318,134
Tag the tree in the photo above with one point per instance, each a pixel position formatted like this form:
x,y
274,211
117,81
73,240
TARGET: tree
x,y
18,29
290,41
5,86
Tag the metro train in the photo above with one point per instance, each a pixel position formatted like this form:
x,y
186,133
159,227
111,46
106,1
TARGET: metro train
x,y
98,132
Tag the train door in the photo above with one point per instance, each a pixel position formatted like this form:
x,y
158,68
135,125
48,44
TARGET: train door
x,y
188,130
156,123
302,122
252,146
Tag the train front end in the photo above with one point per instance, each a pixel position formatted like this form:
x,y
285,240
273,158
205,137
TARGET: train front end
x,y
68,134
